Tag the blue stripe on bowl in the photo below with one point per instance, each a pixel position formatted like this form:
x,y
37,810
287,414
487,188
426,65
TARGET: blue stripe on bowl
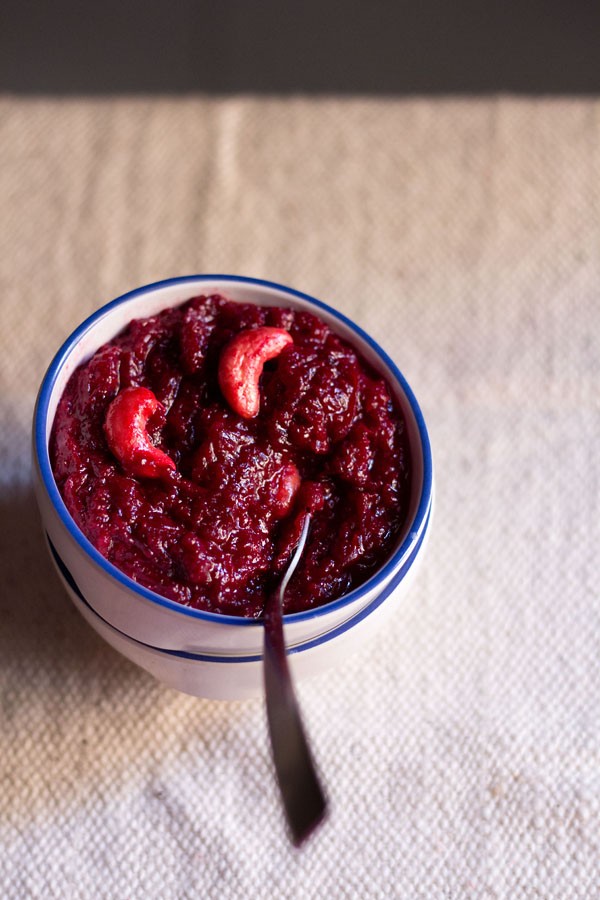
x,y
42,458
205,657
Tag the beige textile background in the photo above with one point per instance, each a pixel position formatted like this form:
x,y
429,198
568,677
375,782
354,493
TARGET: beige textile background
x,y
461,748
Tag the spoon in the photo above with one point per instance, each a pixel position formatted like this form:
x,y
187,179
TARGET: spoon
x,y
303,799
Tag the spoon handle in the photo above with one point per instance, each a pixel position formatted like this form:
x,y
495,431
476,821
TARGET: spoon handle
x,y
301,792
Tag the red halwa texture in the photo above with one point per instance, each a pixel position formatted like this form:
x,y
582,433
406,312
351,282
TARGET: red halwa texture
x,y
217,532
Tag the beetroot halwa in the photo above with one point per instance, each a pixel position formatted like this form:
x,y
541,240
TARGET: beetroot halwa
x,y
201,498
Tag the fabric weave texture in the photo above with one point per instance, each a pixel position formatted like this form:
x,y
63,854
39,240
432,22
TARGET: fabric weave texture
x,y
461,747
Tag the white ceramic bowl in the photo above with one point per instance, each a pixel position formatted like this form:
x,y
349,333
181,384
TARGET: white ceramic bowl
x,y
202,653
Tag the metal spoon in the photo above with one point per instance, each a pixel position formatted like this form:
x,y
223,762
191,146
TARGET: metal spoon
x,y
301,792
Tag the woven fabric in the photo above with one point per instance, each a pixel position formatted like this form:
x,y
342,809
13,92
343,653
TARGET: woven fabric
x,y
461,747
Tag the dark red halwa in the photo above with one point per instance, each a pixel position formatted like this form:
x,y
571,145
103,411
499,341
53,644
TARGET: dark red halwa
x,y
216,532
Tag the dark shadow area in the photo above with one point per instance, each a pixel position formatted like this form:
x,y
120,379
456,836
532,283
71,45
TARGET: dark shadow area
x,y
233,46
42,635
66,695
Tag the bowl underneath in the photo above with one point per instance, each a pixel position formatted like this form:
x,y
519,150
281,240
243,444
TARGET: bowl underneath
x,y
239,676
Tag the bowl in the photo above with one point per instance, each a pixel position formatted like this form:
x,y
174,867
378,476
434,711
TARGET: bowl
x,y
203,653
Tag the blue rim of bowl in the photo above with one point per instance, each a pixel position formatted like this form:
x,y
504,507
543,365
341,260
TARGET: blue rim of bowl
x,y
42,457
310,644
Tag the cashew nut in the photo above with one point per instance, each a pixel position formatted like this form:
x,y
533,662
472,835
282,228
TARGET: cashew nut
x,y
242,362
125,430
